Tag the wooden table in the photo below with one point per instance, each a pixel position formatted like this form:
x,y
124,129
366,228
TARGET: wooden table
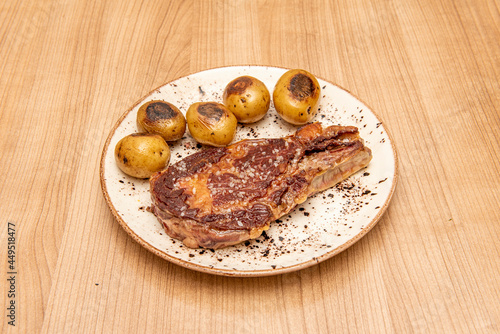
x,y
429,69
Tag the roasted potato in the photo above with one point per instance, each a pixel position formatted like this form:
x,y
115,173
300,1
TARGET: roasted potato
x,y
162,118
247,98
211,123
296,96
142,154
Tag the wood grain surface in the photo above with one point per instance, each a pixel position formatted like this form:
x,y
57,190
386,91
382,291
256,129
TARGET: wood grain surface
x,y
429,69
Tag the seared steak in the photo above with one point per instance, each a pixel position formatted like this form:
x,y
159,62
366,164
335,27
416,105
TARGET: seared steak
x,y
222,196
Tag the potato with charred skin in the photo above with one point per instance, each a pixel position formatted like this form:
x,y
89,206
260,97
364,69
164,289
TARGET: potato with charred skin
x,y
211,123
296,96
247,98
162,118
142,154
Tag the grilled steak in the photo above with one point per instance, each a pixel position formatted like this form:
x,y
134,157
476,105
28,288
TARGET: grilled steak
x,y
222,196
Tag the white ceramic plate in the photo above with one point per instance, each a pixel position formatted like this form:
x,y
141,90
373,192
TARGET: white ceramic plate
x,y
323,226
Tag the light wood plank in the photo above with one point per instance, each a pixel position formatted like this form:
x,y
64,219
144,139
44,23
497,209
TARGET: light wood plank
x,y
429,69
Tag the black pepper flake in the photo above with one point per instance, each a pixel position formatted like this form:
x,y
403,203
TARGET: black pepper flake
x,y
273,266
191,255
121,181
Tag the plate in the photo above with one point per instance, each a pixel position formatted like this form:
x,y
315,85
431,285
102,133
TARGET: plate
x,y
318,229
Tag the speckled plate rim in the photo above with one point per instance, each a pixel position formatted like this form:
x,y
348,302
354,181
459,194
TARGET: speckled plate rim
x,y
244,273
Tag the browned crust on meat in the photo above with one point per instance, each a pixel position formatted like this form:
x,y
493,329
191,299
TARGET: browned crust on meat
x,y
195,234
222,196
